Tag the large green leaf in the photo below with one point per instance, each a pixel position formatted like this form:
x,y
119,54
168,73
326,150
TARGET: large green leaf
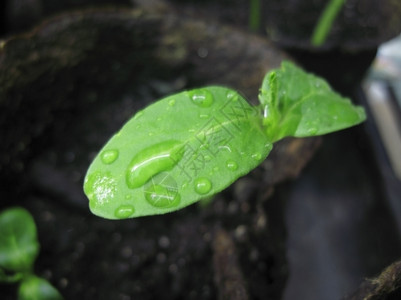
x,y
300,104
18,240
175,152
193,144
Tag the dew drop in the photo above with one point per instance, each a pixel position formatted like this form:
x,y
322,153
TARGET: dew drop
x,y
171,102
100,188
231,165
312,130
138,114
256,156
162,192
202,185
231,95
109,156
124,211
201,97
203,116
151,161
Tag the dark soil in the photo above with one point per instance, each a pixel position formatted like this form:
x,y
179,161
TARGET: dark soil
x,y
70,84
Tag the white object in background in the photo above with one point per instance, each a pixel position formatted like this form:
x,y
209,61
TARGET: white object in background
x,y
379,101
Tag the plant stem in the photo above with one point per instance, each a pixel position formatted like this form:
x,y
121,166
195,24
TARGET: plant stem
x,y
325,22
254,15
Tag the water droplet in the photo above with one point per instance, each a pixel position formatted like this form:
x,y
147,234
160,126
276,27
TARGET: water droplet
x,y
162,195
100,188
269,146
151,161
203,116
150,134
231,165
207,157
215,169
312,130
231,95
128,196
201,97
203,185
109,156
171,102
138,114
256,156
124,211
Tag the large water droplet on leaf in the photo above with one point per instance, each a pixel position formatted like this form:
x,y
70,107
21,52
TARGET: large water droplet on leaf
x,y
151,161
203,185
109,156
161,191
124,211
201,97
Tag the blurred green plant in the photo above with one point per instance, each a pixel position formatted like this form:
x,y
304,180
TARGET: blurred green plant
x,y
254,15
325,22
19,248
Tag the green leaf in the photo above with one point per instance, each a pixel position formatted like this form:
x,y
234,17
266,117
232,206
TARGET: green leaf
x,y
175,152
36,288
10,278
300,104
18,240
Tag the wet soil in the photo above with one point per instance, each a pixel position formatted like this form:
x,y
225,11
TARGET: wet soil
x,y
66,87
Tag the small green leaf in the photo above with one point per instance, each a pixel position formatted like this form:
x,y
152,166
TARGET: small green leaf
x,y
10,278
300,104
175,152
36,288
18,240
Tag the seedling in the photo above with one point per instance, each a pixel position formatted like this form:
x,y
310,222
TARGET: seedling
x,y
19,248
325,22
193,144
